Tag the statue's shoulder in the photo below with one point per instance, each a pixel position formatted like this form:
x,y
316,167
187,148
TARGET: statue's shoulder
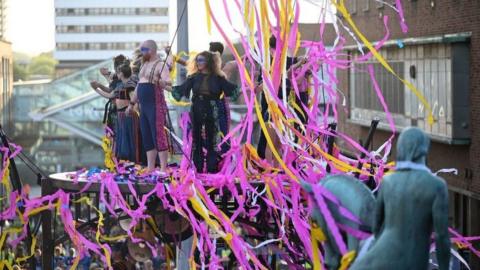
x,y
433,182
440,182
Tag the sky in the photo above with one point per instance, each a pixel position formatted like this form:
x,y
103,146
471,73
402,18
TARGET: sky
x,y
31,23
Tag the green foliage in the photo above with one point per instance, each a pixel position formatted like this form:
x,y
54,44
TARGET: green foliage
x,y
43,64
25,66
20,72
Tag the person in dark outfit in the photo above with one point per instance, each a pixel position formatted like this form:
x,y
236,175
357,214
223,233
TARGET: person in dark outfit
x,y
291,62
222,103
109,117
208,84
128,137
128,145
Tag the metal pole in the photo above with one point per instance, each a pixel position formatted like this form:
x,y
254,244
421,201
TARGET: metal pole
x,y
366,145
330,142
183,251
182,36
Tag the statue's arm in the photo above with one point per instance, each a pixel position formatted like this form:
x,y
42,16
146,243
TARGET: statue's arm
x,y
379,212
440,224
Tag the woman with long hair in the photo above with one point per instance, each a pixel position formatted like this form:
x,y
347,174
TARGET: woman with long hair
x,y
208,84
127,144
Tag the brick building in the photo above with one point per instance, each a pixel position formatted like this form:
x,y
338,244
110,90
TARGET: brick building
x,y
440,55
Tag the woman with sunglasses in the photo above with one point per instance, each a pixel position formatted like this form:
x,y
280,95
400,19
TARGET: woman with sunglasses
x,y
208,84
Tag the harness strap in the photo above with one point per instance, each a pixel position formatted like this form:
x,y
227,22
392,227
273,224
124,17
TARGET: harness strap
x,y
152,72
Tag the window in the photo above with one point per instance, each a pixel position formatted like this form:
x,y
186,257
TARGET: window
x,y
436,71
142,28
463,211
101,46
111,11
351,6
367,6
392,88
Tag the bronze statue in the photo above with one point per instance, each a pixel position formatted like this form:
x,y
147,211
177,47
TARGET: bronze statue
x,y
357,199
411,203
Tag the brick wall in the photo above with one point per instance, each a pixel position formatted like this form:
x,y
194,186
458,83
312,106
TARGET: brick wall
x,y
447,17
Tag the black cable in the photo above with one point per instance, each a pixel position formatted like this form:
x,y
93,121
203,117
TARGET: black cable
x,y
33,168
175,35
161,71
17,186
37,170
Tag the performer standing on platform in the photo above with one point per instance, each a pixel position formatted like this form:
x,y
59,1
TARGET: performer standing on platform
x,y
208,84
292,62
127,144
153,107
109,117
222,103
128,137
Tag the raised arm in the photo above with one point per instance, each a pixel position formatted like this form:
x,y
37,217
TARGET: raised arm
x,y
440,225
182,90
181,61
100,89
106,74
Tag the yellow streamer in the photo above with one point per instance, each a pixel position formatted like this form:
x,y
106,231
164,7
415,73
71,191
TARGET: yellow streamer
x,y
342,9
89,202
107,149
317,264
209,17
347,259
6,232
270,143
5,178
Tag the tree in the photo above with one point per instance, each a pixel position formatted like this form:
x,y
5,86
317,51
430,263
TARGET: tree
x,y
43,64
20,66
20,72
25,67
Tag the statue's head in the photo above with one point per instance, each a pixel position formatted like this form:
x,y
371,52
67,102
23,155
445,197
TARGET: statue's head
x,y
413,145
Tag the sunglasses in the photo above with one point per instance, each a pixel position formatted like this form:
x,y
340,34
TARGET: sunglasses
x,y
144,49
201,60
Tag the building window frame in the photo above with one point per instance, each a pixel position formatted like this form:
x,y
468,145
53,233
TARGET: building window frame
x,y
440,68
366,8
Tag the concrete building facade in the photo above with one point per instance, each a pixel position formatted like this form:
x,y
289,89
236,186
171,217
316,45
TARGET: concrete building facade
x,y
89,31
